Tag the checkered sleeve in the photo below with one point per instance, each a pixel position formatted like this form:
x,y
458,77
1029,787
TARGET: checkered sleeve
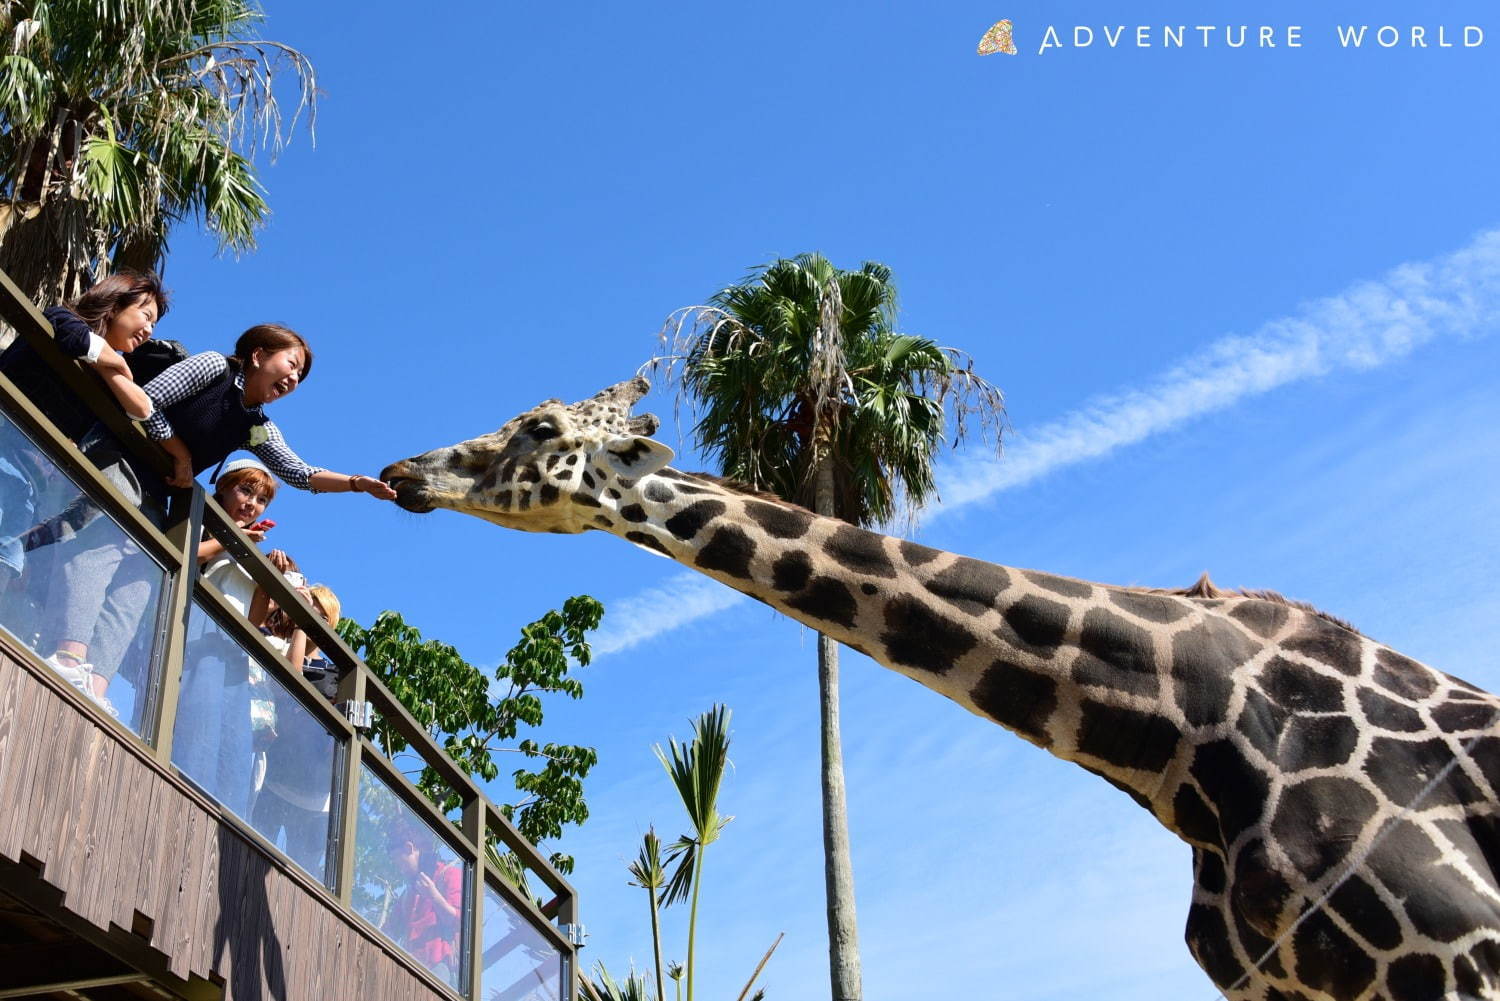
x,y
281,460
180,382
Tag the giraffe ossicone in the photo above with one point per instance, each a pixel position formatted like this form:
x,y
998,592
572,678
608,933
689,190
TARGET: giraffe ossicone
x,y
1291,753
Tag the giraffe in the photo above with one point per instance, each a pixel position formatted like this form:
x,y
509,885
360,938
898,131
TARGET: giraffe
x,y
1297,758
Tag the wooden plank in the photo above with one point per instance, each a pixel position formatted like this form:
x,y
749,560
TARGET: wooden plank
x,y
17,791
75,846
142,896
169,848
103,863
64,776
126,844
205,902
21,703
176,928
39,790
229,912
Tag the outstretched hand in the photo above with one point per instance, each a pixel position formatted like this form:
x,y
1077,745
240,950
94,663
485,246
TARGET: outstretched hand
x,y
378,489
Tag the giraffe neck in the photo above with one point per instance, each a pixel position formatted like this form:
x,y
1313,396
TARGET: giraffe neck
x,y
1074,667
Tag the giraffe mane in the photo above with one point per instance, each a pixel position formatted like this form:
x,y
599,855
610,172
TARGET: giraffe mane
x,y
1203,587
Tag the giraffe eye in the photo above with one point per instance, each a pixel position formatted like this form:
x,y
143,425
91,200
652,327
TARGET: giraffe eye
x,y
544,432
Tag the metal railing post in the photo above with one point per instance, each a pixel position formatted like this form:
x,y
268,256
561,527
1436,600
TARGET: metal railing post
x,y
184,532
351,689
474,827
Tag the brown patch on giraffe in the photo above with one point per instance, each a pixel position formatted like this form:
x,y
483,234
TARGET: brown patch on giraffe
x,y
1037,624
1402,769
1417,977
1317,741
1261,722
633,513
1234,788
1318,821
1300,688
1260,892
972,585
1017,698
1151,607
1208,871
1328,644
690,520
916,636
791,571
1126,738
1065,586
1192,819
1461,717
1388,714
657,492
1358,904
1203,690
915,554
649,541
1113,653
1211,596
1208,940
827,599
548,495
860,551
729,551
1264,618
587,500
1331,961
1403,676
779,521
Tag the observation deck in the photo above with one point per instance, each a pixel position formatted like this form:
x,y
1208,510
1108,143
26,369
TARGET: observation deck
x,y
221,829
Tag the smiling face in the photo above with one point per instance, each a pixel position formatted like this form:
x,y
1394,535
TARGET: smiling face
x,y
244,499
132,326
271,375
544,471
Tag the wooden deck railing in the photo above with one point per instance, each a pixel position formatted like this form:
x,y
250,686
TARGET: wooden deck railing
x,y
360,769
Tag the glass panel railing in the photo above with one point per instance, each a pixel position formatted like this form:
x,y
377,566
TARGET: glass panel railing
x,y
247,741
72,581
516,961
409,882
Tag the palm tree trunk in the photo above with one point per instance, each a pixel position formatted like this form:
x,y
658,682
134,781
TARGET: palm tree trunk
x,y
838,871
661,985
693,920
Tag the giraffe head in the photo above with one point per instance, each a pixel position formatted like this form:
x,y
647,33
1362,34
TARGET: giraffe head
x,y
543,471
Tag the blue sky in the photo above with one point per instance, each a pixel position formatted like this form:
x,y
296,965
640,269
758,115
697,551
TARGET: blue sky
x,y
1242,303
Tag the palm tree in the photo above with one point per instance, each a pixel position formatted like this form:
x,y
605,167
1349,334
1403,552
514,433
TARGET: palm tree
x,y
120,118
647,873
696,769
803,387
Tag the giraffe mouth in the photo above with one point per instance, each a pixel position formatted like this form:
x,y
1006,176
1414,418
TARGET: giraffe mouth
x,y
411,493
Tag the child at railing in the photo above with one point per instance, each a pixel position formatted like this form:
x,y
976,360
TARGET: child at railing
x,y
206,408
294,796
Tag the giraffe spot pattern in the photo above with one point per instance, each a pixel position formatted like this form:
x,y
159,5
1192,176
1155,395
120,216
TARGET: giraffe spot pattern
x,y
1232,786
548,494
729,551
1318,819
1317,742
1359,905
1260,722
1403,676
658,492
1260,893
633,513
1204,695
1328,644
1065,586
1401,769
777,521
1017,698
915,554
791,571
503,500
1329,960
1208,871
1264,618
972,585
690,520
587,500
868,588
827,599
1037,624
1388,714
1208,941
1115,654
1126,738
916,636
1444,907
1152,607
1192,818
649,541
1418,977
1457,717
1299,688
859,551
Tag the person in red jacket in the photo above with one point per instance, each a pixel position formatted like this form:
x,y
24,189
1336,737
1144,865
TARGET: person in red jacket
x,y
427,918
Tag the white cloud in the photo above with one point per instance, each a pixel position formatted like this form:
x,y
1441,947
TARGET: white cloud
x,y
680,600
1365,326
1368,325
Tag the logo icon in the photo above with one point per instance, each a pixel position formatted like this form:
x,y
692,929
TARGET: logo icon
x,y
997,39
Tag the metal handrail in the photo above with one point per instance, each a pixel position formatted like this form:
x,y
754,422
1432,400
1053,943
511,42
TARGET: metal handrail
x,y
194,511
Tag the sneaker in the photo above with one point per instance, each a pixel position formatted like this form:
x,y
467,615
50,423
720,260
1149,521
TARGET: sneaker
x,y
76,674
102,701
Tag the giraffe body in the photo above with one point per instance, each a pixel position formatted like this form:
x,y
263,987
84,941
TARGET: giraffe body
x,y
1285,748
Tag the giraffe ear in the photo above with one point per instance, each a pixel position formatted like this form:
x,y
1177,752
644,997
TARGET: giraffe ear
x,y
633,456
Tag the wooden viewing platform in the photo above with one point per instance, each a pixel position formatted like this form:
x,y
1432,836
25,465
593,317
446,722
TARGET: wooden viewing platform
x,y
137,859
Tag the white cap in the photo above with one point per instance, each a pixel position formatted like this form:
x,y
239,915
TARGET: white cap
x,y
238,464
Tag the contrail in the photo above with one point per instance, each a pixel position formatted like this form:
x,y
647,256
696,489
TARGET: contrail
x,y
1369,324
